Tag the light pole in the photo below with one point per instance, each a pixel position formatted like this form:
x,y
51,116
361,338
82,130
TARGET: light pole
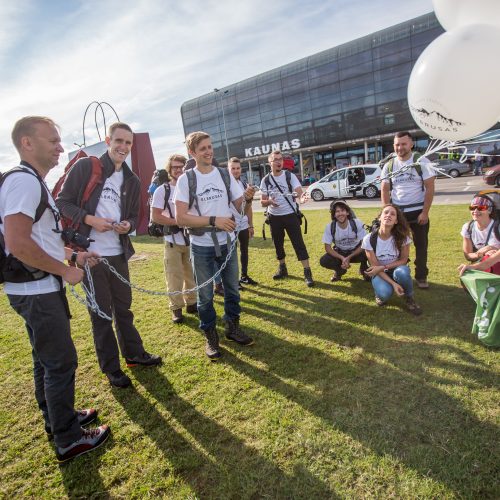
x,y
223,118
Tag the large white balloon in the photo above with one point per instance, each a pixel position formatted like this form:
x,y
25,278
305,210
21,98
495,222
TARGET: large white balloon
x,y
457,13
453,92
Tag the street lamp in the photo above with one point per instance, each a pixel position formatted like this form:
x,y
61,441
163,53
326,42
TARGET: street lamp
x,y
223,118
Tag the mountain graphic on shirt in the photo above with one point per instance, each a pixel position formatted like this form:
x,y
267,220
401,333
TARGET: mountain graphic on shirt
x,y
210,190
110,192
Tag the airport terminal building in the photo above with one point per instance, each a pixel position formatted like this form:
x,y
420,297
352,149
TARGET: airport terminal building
x,y
337,107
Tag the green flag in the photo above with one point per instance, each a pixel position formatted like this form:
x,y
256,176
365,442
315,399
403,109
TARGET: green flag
x,y
485,290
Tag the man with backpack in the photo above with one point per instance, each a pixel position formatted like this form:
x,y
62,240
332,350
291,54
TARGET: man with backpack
x,y
280,189
342,239
108,217
202,204
410,186
178,271
34,273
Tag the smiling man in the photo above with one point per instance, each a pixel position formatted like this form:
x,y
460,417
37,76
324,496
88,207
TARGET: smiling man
x,y
108,217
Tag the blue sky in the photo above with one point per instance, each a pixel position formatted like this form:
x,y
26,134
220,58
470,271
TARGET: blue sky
x,y
146,57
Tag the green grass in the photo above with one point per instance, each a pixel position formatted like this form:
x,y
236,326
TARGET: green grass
x,y
337,398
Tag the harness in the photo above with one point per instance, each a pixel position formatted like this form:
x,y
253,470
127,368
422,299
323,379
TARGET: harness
x,y
193,200
389,161
296,209
494,227
11,268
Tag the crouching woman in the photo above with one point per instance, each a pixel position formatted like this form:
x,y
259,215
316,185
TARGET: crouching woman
x,y
387,249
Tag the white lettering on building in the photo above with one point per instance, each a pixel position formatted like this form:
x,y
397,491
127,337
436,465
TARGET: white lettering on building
x,y
265,149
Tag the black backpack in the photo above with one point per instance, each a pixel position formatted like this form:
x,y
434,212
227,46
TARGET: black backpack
x,y
12,269
155,229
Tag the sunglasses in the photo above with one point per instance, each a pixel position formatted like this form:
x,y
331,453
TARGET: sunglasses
x,y
479,208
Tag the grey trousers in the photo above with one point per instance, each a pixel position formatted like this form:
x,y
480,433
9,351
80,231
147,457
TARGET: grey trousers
x,y
114,299
54,361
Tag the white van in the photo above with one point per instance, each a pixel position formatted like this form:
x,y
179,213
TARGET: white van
x,y
342,182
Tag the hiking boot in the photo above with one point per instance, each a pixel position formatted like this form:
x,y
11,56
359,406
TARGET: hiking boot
x,y
422,284
379,301
308,277
281,273
145,359
85,417
192,308
335,277
412,306
91,439
219,289
177,316
246,280
119,379
233,332
212,344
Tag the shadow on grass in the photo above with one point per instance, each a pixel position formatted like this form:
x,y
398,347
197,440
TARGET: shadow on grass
x,y
228,468
395,397
81,478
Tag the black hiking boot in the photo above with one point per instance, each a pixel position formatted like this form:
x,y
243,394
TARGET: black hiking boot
x,y
212,344
281,273
308,277
233,332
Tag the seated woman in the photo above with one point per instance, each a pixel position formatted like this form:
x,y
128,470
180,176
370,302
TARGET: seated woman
x,y
481,238
387,249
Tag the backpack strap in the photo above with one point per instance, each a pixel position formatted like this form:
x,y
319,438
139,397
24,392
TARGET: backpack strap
x,y
417,167
94,180
354,226
226,177
333,229
373,241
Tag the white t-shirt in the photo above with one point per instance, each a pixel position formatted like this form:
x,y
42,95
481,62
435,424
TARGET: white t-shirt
x,y
479,237
108,243
21,193
345,239
159,202
273,192
386,252
407,187
241,220
212,201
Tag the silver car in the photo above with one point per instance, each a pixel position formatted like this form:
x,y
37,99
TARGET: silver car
x,y
452,167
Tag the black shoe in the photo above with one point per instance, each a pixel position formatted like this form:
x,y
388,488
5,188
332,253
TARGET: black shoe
x,y
246,280
91,439
145,359
412,306
192,308
119,379
212,344
219,289
308,277
335,277
281,273
85,417
233,332
177,316
240,287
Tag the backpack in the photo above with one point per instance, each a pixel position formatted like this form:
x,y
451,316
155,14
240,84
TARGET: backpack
x,y
155,229
372,229
389,161
12,269
94,180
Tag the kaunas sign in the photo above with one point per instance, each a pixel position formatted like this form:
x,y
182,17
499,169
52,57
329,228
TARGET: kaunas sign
x,y
265,149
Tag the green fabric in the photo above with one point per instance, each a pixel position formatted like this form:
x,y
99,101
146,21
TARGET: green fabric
x,y
485,290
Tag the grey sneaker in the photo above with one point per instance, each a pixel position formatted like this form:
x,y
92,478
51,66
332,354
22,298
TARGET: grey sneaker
x,y
379,301
412,306
212,344
422,284
91,439
235,333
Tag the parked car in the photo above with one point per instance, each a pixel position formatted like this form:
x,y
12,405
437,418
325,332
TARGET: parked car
x,y
492,175
452,167
342,183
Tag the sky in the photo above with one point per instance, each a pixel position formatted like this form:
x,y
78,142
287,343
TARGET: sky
x,y
146,57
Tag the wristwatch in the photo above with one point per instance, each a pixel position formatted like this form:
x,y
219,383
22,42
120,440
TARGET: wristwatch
x,y
73,257
211,220
386,269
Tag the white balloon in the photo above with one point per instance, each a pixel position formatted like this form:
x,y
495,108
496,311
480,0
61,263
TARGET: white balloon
x,y
457,13
453,88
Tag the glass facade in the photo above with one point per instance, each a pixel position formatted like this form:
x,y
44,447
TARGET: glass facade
x,y
343,103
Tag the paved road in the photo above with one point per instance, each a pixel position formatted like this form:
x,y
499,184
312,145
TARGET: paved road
x,y
448,192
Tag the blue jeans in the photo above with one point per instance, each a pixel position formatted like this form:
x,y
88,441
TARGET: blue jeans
x,y
203,260
400,275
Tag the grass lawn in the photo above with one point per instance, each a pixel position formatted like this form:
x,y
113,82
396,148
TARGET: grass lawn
x,y
338,398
